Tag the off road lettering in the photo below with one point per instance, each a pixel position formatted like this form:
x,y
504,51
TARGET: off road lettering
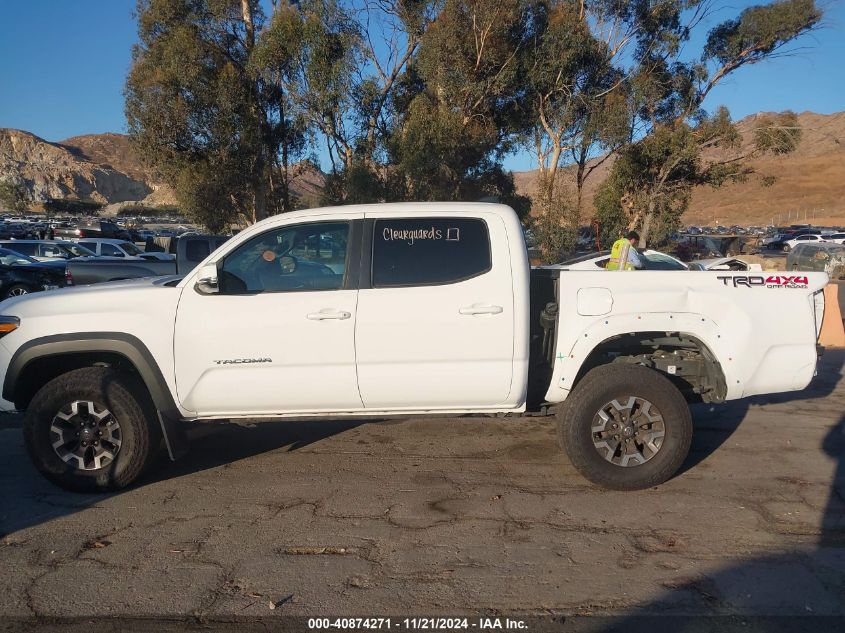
x,y
772,281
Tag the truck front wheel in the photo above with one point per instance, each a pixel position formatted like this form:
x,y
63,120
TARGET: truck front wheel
x,y
91,429
625,427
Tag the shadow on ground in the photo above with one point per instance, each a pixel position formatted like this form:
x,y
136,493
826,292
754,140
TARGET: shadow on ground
x,y
730,598
33,500
714,424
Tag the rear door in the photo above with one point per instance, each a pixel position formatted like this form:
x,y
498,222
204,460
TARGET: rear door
x,y
435,322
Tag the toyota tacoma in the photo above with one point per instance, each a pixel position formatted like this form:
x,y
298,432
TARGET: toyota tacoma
x,y
394,310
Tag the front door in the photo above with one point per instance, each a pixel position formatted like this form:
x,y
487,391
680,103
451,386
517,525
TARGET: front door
x,y
435,327
278,337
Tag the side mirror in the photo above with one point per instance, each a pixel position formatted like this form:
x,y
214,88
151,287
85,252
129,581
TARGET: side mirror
x,y
207,282
288,264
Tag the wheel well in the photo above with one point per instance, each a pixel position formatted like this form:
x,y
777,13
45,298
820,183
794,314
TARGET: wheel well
x,y
40,371
681,357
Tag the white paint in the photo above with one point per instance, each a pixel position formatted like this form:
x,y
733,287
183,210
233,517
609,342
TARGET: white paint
x,y
434,349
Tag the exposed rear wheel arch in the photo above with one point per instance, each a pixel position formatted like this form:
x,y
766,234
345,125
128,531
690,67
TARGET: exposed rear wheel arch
x,y
697,373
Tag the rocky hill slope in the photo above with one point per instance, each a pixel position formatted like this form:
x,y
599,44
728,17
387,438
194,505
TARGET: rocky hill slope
x,y
102,168
51,170
808,183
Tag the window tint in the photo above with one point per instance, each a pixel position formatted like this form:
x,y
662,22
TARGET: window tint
x,y
197,250
428,251
110,250
290,258
130,248
24,248
90,245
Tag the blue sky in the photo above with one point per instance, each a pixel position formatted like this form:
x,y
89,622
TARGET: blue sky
x,y
63,64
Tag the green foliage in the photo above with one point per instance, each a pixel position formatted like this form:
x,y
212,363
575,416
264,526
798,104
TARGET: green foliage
x,y
555,224
13,196
422,100
777,133
210,104
656,173
761,30
610,216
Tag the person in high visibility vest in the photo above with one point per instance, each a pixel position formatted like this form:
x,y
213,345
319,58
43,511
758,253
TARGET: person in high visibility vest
x,y
623,254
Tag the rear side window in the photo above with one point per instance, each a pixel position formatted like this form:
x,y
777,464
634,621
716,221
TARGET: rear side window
x,y
197,250
25,248
429,251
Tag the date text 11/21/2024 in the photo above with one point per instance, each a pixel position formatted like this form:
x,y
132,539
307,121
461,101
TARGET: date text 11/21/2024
x,y
418,623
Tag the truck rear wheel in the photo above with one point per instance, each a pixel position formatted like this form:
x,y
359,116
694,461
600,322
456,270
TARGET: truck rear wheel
x,y
91,429
625,427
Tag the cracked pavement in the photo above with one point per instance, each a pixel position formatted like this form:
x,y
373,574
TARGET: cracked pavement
x,y
434,516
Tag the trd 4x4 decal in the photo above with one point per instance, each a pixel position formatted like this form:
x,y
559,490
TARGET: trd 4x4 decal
x,y
771,281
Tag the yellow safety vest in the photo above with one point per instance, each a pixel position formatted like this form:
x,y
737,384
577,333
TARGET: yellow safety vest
x,y
619,253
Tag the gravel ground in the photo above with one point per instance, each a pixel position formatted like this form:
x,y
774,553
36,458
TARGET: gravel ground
x,y
437,516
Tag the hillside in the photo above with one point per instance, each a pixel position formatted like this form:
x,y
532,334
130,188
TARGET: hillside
x,y
808,182
50,170
102,168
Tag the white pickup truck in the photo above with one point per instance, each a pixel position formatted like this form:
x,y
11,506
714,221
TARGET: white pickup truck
x,y
393,310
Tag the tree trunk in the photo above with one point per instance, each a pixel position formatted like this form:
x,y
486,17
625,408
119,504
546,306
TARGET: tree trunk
x,y
249,23
646,228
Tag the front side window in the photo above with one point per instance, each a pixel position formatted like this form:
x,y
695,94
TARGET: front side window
x,y
289,258
429,251
131,249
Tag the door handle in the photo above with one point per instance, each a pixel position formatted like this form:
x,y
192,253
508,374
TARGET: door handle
x,y
328,313
481,309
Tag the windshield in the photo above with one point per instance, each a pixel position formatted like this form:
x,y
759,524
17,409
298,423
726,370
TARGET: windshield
x,y
659,261
10,258
130,248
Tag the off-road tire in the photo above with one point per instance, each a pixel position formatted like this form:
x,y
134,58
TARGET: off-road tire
x,y
125,397
621,381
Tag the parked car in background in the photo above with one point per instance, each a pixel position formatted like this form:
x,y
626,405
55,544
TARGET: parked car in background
x,y
97,228
807,238
186,253
15,230
826,257
107,247
44,250
20,275
724,263
652,260
836,238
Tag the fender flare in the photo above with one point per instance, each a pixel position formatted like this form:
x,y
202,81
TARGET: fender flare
x,y
120,343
